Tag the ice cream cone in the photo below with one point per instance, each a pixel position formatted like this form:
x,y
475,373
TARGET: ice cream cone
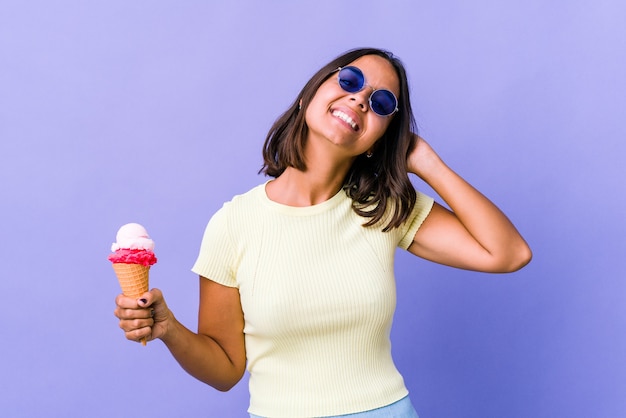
x,y
133,279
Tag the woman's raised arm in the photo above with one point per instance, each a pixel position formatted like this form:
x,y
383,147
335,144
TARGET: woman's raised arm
x,y
474,234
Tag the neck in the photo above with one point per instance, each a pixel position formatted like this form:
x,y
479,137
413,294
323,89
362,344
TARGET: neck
x,y
303,188
323,178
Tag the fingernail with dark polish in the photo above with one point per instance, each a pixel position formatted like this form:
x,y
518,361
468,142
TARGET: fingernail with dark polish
x,y
144,301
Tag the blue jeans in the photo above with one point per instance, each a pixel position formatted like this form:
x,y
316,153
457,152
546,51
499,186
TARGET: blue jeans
x,y
400,409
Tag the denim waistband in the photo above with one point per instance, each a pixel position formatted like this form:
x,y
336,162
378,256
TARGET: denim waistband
x,y
400,409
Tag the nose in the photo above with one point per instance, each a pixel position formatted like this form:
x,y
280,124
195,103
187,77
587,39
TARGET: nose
x,y
361,99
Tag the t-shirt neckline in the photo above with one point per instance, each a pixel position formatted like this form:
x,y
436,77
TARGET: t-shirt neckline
x,y
332,202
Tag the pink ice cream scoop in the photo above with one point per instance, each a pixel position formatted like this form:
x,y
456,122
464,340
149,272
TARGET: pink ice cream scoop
x,y
133,246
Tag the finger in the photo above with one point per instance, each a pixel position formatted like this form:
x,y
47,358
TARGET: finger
x,y
149,298
129,325
126,302
140,313
139,334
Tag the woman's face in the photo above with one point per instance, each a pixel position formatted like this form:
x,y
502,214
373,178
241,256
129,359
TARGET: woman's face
x,y
345,120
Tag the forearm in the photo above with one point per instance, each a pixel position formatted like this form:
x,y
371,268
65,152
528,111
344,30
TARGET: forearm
x,y
202,357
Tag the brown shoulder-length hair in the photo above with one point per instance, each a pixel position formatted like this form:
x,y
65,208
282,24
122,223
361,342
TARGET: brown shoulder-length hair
x,y
379,186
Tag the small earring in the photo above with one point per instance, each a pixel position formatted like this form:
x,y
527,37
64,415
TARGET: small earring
x,y
369,154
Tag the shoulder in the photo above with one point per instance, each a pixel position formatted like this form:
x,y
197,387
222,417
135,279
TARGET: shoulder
x,y
236,208
403,234
243,201
421,208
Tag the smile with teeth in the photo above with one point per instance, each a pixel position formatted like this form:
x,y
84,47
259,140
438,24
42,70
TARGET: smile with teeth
x,y
344,117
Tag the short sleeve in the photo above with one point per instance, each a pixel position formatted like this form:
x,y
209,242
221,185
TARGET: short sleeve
x,y
216,258
423,205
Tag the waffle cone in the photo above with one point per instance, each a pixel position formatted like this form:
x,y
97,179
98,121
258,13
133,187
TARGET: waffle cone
x,y
133,278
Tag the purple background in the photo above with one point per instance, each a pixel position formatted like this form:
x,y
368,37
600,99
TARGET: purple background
x,y
155,112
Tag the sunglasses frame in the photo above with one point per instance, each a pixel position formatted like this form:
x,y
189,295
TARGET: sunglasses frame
x,y
365,84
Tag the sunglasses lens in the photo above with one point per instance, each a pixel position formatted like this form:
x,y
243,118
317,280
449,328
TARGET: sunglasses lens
x,y
383,102
351,79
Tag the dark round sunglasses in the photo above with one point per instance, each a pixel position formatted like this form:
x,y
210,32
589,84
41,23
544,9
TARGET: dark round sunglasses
x,y
383,102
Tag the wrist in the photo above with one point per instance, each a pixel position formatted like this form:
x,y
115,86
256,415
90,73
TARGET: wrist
x,y
171,328
429,167
423,161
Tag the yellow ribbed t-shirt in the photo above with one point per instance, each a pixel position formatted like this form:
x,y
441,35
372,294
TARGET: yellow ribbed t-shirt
x,y
318,295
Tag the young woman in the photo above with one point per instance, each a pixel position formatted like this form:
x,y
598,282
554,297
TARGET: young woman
x,y
296,275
